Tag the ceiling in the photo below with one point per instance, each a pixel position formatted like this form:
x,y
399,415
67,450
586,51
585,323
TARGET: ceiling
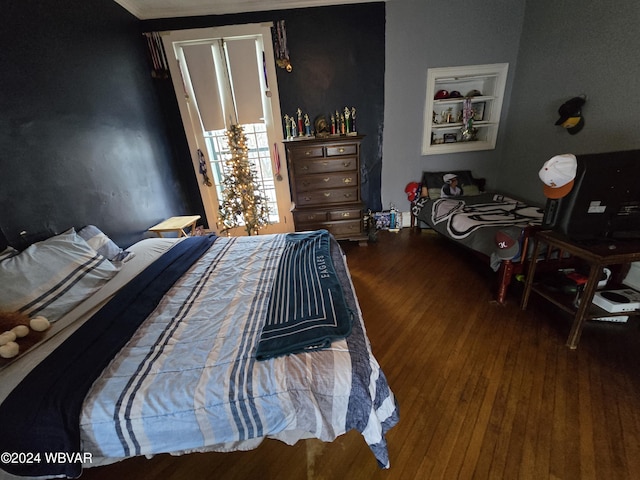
x,y
148,9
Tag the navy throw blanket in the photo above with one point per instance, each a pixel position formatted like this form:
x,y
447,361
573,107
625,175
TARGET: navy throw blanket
x,y
307,309
41,416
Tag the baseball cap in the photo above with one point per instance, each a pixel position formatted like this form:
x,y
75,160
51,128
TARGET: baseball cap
x,y
571,115
447,177
455,94
558,174
507,246
441,94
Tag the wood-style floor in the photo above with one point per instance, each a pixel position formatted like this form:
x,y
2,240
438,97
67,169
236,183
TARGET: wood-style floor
x,y
485,391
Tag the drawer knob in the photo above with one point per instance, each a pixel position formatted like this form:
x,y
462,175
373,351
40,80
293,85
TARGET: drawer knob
x,y
346,214
305,167
347,195
306,183
341,150
327,194
346,164
326,179
307,153
307,199
347,180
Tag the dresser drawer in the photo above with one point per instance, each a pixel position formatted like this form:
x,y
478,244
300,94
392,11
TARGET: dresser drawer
x,y
327,196
346,149
325,165
309,217
330,180
308,152
344,228
345,214
339,229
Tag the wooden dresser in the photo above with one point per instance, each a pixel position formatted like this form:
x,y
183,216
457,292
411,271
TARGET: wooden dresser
x,y
324,177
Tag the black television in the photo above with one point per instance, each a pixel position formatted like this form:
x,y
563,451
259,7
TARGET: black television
x,y
604,203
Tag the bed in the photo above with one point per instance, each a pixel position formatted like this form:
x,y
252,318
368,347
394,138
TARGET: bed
x,y
473,219
187,345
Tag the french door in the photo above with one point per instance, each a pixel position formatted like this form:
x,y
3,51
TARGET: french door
x,y
226,76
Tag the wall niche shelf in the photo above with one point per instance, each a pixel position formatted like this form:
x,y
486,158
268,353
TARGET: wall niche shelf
x,y
443,116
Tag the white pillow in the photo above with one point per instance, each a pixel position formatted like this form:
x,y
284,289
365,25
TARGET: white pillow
x,y
8,252
51,277
102,244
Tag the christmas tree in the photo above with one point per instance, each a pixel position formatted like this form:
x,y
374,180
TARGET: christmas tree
x,y
242,201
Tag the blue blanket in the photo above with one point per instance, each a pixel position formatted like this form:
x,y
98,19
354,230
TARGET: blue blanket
x,y
307,309
41,415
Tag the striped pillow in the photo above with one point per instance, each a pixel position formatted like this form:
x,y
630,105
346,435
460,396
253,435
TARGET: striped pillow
x,y
51,277
102,244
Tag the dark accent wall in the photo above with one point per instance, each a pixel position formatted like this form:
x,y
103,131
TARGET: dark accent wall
x,y
83,137
338,58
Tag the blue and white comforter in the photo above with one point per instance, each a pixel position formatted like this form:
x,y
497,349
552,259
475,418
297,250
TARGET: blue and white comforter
x,y
188,379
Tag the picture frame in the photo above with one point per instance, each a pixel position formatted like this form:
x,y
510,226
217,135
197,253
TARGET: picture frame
x,y
478,111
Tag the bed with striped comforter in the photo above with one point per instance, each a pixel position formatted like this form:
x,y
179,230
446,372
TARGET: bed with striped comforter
x,y
188,378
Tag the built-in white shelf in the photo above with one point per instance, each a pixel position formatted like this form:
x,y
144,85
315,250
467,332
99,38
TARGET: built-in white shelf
x,y
443,117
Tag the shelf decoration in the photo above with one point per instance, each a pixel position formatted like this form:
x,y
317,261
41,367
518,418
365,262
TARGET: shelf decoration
x,y
243,204
571,114
281,48
468,131
157,54
298,126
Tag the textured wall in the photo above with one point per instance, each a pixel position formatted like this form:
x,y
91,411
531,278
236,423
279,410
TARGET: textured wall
x,y
82,134
564,52
440,33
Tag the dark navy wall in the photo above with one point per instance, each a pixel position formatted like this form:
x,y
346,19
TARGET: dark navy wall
x,y
83,138
338,60
88,136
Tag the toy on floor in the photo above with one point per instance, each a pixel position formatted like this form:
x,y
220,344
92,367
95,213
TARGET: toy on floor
x,y
18,332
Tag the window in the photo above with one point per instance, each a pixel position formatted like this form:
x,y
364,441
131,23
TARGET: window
x,y
259,156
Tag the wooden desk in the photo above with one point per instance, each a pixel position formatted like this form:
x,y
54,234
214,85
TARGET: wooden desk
x,y
176,224
597,257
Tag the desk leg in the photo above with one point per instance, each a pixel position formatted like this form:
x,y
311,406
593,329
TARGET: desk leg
x,y
192,229
505,273
585,303
530,274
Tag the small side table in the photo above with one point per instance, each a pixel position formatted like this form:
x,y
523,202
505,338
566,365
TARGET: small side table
x,y
596,256
176,224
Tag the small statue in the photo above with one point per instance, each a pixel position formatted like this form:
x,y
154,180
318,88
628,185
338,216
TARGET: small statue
x,y
333,124
307,125
287,125
353,120
300,125
293,127
347,120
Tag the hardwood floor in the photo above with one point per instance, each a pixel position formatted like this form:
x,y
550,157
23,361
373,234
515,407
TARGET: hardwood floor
x,y
485,391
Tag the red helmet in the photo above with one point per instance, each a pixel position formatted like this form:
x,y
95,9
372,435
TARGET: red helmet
x,y
411,190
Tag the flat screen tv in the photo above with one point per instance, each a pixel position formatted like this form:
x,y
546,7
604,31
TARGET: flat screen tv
x,y
604,203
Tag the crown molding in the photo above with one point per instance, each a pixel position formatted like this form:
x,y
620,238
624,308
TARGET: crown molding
x,y
151,9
